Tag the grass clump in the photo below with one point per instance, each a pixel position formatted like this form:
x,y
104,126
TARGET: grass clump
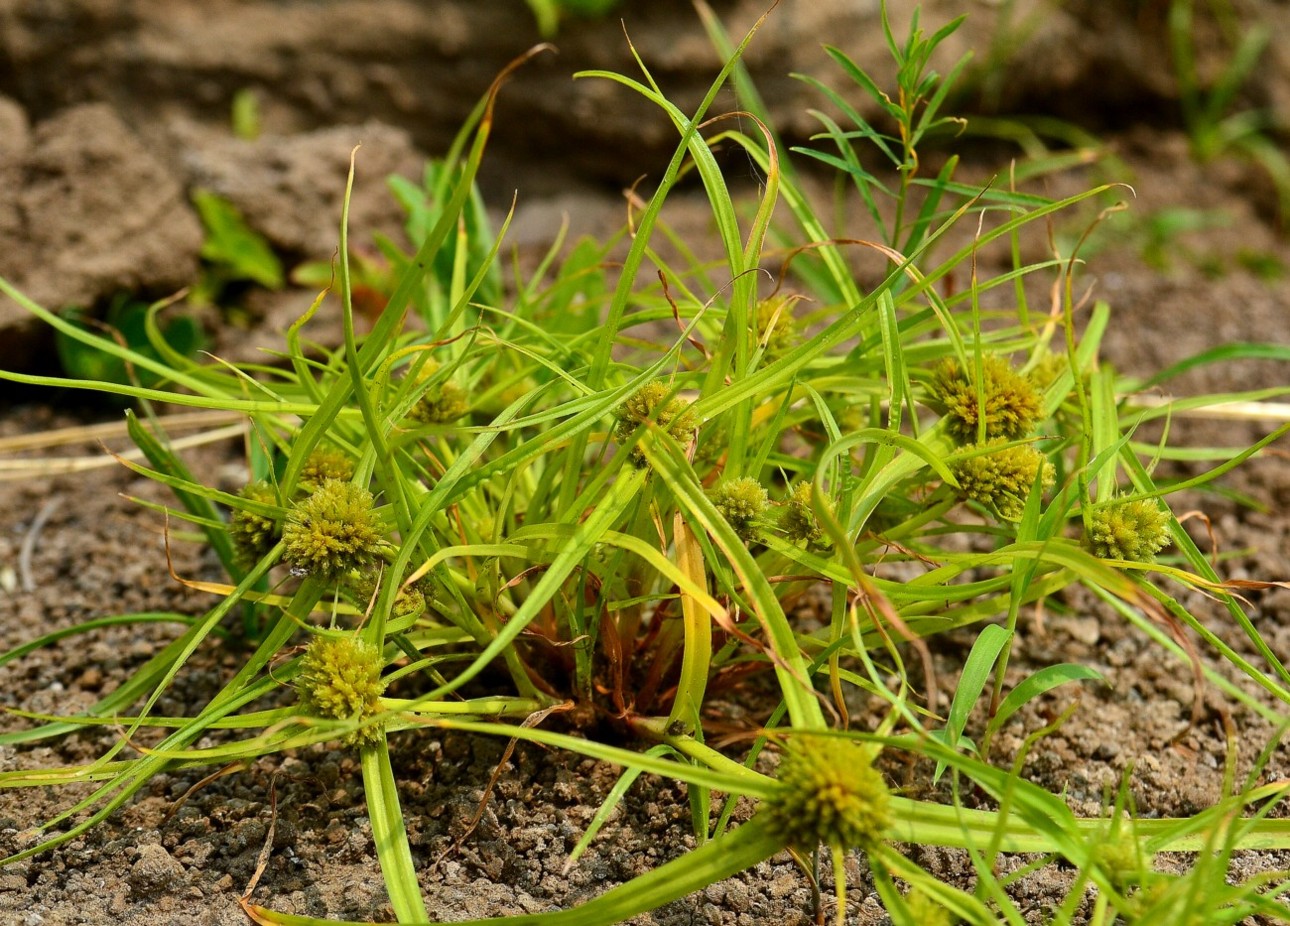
x,y
521,566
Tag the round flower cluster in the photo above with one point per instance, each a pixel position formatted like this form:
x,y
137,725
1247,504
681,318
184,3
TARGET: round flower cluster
x,y
830,793
254,534
340,679
333,531
799,520
777,329
650,403
322,464
1134,530
741,502
440,404
1002,477
1012,404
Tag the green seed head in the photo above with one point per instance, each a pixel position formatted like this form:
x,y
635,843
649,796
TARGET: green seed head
x,y
408,600
925,911
1049,367
776,326
647,404
1012,403
440,404
1134,530
799,521
829,792
741,502
340,679
333,531
1002,478
1121,856
254,534
323,464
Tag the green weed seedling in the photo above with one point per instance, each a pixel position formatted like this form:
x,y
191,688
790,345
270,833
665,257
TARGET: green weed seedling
x,y
133,324
1215,124
619,506
232,252
549,13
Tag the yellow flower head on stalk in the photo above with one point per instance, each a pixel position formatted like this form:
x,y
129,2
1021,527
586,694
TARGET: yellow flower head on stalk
x,y
1012,404
254,534
333,531
647,404
830,793
1134,530
1001,479
340,679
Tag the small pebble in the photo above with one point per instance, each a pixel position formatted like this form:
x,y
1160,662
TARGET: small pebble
x,y
155,871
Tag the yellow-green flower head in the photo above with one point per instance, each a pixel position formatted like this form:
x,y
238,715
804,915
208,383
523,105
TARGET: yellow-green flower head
x,y
254,534
741,502
1012,403
776,326
830,793
324,463
647,404
333,531
340,679
1050,366
1134,530
1121,856
440,404
925,911
1002,478
799,521
409,599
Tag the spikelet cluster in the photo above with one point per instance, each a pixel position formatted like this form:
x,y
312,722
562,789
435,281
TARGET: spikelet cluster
x,y
1134,530
799,521
1001,479
777,329
340,679
440,404
254,534
408,600
830,793
322,464
333,531
741,502
1012,404
650,403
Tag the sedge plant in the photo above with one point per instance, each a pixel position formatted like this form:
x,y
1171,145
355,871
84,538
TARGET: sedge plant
x,y
614,484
